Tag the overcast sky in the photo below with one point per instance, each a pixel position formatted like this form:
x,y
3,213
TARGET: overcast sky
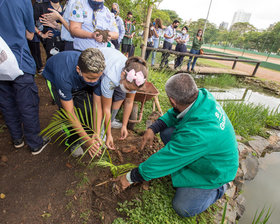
x,y
263,12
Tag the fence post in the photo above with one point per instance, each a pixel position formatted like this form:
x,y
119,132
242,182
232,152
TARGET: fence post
x,y
256,68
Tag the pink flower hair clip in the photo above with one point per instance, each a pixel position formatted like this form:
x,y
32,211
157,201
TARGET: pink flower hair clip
x,y
137,76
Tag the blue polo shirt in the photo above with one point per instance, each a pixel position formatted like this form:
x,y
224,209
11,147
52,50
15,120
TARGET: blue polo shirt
x,y
60,70
16,17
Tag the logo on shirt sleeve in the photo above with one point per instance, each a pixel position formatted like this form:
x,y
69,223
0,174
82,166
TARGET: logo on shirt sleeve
x,y
221,116
61,93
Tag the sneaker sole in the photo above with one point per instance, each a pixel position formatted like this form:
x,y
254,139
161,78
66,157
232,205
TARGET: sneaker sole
x,y
43,147
19,146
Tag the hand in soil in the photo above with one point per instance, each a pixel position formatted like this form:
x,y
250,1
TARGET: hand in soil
x,y
148,138
110,142
121,183
124,133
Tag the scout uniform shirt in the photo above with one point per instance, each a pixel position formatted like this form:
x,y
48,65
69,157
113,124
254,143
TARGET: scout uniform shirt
x,y
184,37
170,31
82,13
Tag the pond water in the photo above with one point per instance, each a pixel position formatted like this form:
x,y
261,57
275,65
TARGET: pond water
x,y
247,96
263,190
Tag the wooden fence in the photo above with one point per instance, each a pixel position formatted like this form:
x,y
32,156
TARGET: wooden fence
x,y
211,56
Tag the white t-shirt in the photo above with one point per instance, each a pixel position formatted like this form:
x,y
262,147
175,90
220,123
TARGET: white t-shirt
x,y
82,13
115,62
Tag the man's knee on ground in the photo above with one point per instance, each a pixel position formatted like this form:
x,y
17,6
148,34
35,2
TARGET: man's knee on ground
x,y
185,209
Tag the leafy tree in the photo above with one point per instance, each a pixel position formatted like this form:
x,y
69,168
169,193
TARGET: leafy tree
x,y
173,15
242,27
163,15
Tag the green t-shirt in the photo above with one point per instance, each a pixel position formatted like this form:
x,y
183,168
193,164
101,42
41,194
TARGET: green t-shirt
x,y
202,152
197,43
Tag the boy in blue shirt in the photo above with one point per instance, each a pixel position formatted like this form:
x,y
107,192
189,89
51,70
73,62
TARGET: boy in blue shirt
x,y
19,100
73,78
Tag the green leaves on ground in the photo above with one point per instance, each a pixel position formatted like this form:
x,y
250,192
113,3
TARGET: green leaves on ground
x,y
155,207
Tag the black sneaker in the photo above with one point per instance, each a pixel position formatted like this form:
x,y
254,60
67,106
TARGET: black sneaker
x,y
38,150
18,143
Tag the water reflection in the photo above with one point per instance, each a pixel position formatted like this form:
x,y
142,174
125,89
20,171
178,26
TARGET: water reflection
x,y
264,190
248,96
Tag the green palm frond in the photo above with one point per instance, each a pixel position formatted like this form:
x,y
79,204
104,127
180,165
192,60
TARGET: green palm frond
x,y
116,170
61,122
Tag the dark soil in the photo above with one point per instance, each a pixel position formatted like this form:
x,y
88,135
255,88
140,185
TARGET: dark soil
x,y
52,187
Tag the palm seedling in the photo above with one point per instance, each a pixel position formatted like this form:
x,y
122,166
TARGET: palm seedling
x,y
60,124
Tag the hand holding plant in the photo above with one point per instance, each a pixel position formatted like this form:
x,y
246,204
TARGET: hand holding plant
x,y
95,144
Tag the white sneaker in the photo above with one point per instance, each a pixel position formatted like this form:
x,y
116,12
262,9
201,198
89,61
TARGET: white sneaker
x,y
116,124
76,151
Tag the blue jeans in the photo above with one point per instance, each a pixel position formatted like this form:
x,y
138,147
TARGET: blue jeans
x,y
156,43
189,202
19,103
194,60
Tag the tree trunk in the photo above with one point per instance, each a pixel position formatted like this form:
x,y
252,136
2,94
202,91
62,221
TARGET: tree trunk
x,y
146,29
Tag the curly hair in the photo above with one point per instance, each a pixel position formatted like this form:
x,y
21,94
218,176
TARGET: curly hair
x,y
91,60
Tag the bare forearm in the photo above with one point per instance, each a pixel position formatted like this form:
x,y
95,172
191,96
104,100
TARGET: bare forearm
x,y
107,115
128,105
29,35
77,126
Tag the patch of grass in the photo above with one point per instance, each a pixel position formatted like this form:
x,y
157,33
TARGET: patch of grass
x,y
84,180
155,207
70,192
219,81
210,63
250,119
69,205
85,216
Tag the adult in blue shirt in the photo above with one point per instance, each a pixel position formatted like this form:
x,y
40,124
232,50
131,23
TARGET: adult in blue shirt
x,y
19,100
74,77
116,11
86,18
170,36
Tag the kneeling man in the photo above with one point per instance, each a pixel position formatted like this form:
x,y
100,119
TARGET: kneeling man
x,y
200,151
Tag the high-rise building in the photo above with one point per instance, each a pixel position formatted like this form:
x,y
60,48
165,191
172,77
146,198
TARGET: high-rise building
x,y
241,16
223,26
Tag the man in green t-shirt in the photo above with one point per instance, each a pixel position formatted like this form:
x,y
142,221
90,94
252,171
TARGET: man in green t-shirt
x,y
200,151
129,33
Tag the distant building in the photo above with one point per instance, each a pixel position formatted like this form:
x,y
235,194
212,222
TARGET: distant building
x,y
241,16
223,26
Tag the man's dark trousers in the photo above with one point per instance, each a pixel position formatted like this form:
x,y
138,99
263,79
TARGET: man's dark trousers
x,y
164,57
19,104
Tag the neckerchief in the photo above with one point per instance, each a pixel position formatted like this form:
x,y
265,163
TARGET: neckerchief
x,y
96,6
